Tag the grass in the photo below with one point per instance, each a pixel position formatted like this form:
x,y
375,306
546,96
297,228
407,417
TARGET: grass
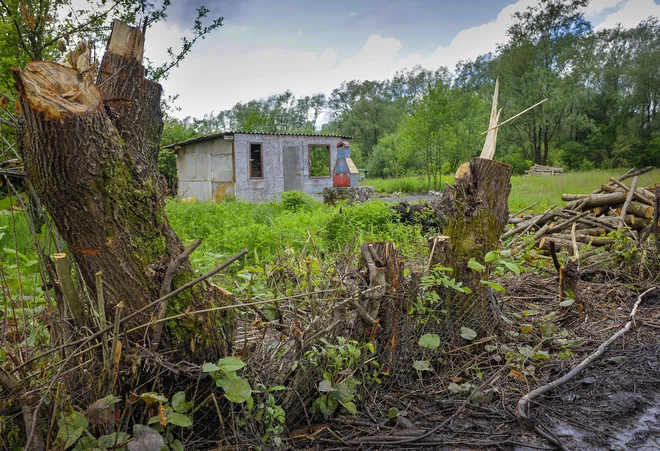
x,y
273,228
525,190
411,184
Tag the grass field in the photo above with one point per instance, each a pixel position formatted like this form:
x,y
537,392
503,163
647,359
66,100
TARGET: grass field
x,y
525,190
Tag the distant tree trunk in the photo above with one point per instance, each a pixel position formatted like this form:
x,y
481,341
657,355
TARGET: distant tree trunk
x,y
91,152
477,212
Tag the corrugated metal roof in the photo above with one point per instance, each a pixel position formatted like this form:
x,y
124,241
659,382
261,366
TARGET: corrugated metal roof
x,y
220,135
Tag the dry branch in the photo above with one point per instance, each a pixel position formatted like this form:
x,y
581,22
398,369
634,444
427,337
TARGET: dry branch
x,y
523,413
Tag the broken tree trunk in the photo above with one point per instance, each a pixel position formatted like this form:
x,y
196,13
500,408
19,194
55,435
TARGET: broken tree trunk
x,y
477,206
91,152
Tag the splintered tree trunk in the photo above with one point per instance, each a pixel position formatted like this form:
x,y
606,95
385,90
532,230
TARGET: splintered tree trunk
x,y
91,150
477,207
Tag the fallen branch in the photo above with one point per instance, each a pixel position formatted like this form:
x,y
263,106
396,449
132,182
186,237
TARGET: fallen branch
x,y
523,410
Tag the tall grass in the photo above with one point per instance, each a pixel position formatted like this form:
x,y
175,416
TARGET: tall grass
x,y
411,184
270,228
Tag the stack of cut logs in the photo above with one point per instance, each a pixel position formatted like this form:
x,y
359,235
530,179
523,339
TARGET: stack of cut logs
x,y
616,206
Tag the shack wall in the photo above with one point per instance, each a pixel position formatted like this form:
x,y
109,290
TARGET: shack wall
x,y
272,184
205,170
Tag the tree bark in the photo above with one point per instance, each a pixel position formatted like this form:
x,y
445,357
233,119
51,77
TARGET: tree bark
x,y
478,211
91,151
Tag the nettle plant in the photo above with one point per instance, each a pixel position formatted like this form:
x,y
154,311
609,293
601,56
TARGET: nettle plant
x,y
238,390
440,276
340,362
73,426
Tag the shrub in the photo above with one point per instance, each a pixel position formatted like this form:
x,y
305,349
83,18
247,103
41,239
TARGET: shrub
x,y
297,200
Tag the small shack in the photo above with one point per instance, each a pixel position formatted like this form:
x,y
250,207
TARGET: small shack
x,y
255,166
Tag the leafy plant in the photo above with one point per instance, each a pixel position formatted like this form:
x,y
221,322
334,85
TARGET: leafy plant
x,y
236,389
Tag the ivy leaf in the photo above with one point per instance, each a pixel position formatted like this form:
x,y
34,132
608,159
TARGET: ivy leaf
x,y
422,365
493,285
430,341
237,390
228,364
468,334
178,419
475,265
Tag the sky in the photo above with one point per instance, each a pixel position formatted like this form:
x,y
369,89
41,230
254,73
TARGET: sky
x,y
268,46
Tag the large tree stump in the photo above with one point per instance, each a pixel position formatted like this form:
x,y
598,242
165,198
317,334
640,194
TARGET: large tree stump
x,y
477,212
91,152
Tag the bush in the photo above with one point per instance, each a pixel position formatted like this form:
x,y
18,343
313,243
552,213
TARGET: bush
x,y
574,154
297,200
517,162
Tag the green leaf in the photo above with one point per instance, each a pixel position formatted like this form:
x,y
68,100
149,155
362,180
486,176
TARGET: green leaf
x,y
430,341
567,302
250,403
326,386
393,412
176,445
493,285
512,267
350,406
110,440
237,390
541,355
468,334
179,402
530,312
210,367
492,255
152,398
526,328
69,435
178,419
228,364
475,265
422,365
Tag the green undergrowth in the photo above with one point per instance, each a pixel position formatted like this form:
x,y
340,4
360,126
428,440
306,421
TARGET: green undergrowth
x,y
267,229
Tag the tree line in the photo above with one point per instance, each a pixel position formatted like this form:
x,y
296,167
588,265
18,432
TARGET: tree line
x,y
602,89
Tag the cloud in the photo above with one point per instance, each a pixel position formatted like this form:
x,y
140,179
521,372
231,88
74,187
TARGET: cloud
x,y
224,69
630,13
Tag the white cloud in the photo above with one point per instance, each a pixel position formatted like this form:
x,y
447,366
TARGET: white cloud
x,y
631,13
225,70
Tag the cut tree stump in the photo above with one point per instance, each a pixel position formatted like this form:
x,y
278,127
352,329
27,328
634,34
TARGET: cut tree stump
x,y
478,211
91,152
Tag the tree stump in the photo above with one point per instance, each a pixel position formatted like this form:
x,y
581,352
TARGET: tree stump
x,y
386,303
91,152
477,212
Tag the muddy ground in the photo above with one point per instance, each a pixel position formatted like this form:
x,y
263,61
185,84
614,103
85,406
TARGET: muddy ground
x,y
613,405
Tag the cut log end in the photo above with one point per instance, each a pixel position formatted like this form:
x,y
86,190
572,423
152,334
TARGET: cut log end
x,y
56,90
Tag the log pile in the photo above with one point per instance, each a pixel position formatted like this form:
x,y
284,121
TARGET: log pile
x,y
538,169
615,206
